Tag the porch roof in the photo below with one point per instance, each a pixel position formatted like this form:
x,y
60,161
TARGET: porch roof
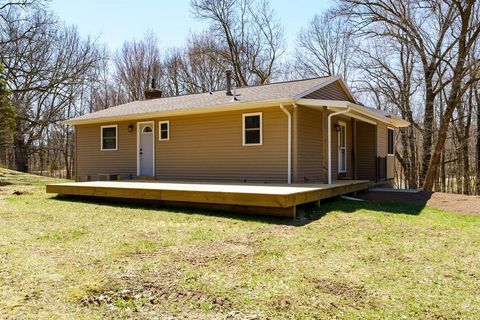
x,y
357,111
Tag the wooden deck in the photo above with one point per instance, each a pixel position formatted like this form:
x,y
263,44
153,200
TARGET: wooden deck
x,y
268,199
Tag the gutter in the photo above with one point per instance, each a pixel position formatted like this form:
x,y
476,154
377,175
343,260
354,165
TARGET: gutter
x,y
289,143
329,134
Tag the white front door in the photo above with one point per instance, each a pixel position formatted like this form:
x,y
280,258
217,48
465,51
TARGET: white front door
x,y
145,157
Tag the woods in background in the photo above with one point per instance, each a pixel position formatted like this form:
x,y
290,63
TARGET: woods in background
x,y
417,59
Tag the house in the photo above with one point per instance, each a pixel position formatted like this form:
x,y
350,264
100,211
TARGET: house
x,y
295,132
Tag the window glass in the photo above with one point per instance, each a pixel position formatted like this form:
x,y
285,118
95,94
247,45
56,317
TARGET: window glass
x,y
342,136
147,129
252,122
342,148
390,141
252,137
343,160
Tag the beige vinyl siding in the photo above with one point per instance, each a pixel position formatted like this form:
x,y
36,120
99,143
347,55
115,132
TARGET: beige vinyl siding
x,y
309,145
381,139
382,148
209,147
348,123
91,161
365,151
390,167
333,91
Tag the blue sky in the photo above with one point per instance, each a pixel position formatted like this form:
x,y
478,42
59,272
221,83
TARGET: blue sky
x,y
115,21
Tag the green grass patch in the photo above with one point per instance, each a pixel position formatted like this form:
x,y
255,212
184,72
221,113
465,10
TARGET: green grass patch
x,y
66,258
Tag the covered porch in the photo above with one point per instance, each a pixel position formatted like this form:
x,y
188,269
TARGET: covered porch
x,y
358,142
263,199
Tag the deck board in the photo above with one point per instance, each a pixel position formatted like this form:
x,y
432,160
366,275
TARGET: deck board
x,y
281,196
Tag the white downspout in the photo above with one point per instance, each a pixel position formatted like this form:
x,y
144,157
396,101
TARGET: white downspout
x,y
329,134
289,143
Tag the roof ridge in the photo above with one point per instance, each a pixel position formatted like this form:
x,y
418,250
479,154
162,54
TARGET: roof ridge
x,y
245,87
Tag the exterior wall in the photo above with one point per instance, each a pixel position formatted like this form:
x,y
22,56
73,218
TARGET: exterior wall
x,y
365,151
309,145
390,167
90,160
382,148
209,147
333,91
381,140
201,147
348,123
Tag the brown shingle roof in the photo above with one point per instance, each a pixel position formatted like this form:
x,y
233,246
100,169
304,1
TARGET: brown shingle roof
x,y
274,91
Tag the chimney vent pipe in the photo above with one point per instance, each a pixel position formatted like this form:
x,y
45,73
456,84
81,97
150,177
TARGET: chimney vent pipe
x,y
228,73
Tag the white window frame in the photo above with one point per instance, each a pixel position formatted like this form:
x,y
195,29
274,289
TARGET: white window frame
x,y
393,141
244,131
342,124
160,130
116,137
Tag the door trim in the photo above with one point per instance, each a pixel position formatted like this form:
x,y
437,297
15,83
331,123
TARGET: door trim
x,y
138,146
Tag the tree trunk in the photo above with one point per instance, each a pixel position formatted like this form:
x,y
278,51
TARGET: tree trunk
x,y
477,98
465,147
427,133
21,154
21,157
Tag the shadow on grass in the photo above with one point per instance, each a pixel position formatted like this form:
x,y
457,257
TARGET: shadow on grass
x,y
156,206
306,213
350,206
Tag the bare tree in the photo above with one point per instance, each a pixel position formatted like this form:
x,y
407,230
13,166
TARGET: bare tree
x,y
325,47
136,63
7,113
251,35
42,71
477,146
442,32
388,76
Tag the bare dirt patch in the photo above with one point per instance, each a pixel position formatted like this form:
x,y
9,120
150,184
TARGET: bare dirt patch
x,y
444,201
341,289
355,296
148,294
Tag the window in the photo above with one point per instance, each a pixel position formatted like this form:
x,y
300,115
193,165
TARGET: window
x,y
163,131
252,129
109,138
147,129
342,147
390,149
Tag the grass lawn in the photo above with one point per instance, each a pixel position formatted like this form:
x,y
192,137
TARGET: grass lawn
x,y
64,259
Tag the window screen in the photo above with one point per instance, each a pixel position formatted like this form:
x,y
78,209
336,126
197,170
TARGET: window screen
x,y
164,130
109,138
252,129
